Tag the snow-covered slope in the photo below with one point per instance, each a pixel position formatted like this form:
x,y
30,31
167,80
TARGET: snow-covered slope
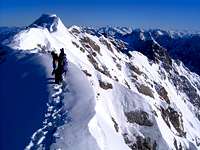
x,y
111,99
181,45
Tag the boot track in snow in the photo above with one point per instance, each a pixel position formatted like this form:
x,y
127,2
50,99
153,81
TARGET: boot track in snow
x,y
55,116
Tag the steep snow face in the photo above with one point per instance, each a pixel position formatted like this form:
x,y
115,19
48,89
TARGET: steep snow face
x,y
114,100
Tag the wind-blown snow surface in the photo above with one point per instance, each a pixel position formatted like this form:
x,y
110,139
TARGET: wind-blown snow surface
x,y
109,100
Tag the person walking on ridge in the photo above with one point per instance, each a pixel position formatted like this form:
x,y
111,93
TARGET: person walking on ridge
x,y
62,62
60,65
55,61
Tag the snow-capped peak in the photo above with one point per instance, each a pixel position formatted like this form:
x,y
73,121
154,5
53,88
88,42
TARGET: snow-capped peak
x,y
47,32
49,21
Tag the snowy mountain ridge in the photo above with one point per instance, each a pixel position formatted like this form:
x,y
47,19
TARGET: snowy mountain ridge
x,y
114,98
183,45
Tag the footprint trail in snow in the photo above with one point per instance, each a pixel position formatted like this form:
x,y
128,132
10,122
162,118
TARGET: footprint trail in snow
x,y
56,116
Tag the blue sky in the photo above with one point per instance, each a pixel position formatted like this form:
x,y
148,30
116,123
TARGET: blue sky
x,y
165,14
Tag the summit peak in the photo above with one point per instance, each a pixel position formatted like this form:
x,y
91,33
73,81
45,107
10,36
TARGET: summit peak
x,y
50,21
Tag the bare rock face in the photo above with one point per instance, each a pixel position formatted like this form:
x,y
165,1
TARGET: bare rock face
x,y
115,125
140,117
105,85
103,69
108,45
145,144
172,116
142,143
134,68
75,31
184,85
145,90
162,92
89,43
87,73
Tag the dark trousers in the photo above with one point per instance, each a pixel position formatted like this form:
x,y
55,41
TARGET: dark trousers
x,y
58,76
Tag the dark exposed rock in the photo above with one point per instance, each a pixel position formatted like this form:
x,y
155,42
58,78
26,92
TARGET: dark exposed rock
x,y
119,66
175,144
162,73
94,54
126,139
162,92
177,147
75,31
114,59
116,79
165,117
105,85
75,44
130,143
197,114
162,55
119,44
82,49
108,45
93,61
86,73
197,140
145,143
134,78
144,90
154,112
141,143
171,115
127,84
176,120
89,43
140,117
184,85
103,70
115,125
133,68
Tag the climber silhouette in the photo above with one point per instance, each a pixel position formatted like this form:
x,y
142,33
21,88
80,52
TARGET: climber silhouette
x,y
55,61
62,61
59,65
